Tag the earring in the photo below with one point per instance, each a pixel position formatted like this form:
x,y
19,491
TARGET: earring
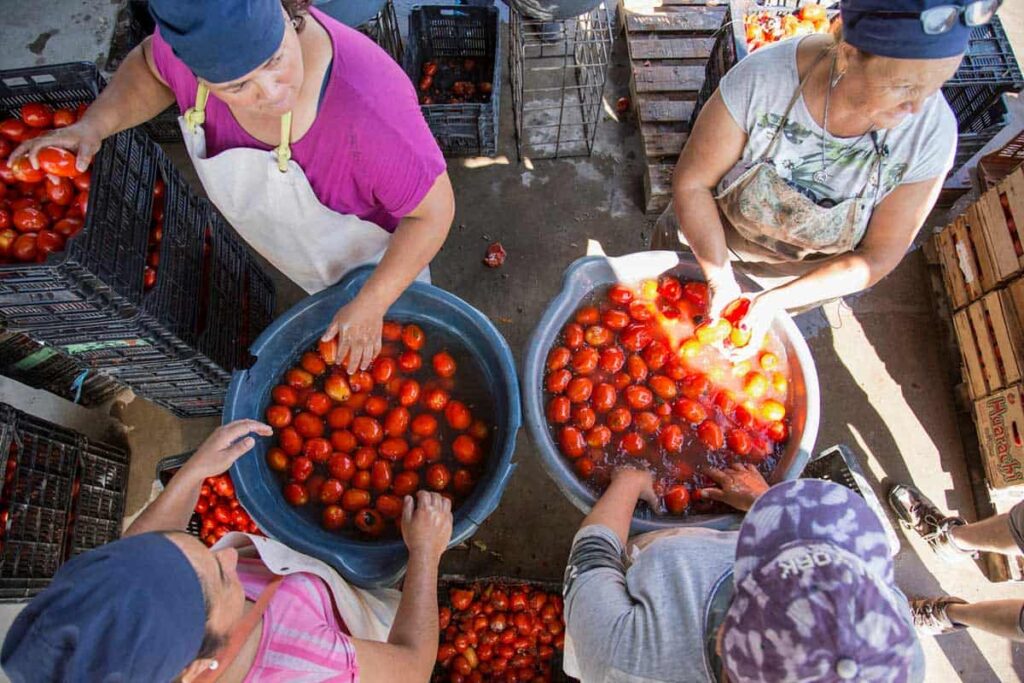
x,y
214,664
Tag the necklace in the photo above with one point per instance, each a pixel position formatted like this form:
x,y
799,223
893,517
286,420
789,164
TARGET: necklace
x,y
821,175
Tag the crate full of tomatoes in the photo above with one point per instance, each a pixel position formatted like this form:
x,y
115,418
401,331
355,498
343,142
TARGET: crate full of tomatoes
x,y
499,630
641,377
62,493
349,448
453,57
217,509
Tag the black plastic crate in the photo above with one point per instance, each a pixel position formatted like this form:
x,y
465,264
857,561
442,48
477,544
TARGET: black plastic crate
x,y
986,126
439,32
45,367
99,507
989,59
165,471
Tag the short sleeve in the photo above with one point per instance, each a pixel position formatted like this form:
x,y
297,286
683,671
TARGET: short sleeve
x,y
406,159
934,144
742,88
178,77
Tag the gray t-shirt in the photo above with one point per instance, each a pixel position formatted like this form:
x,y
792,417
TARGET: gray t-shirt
x,y
756,92
646,622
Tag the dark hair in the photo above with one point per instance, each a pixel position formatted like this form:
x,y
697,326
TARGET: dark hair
x,y
212,642
297,10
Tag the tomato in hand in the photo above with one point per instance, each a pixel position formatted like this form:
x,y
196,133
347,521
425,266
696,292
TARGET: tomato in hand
x,y
57,161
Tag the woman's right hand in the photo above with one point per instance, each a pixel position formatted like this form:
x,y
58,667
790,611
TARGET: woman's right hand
x,y
81,137
723,290
427,523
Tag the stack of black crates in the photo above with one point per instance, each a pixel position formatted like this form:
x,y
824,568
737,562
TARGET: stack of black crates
x,y
174,344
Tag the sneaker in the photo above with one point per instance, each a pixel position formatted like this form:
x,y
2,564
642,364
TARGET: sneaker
x,y
916,512
930,616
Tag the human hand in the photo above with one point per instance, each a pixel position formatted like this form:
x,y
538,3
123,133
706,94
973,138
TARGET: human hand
x,y
357,325
427,523
756,323
80,137
224,446
723,290
641,481
741,484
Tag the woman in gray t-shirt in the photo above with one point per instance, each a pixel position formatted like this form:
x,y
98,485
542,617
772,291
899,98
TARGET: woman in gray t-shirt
x,y
818,159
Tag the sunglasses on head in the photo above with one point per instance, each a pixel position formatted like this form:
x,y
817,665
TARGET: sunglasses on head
x,y
942,19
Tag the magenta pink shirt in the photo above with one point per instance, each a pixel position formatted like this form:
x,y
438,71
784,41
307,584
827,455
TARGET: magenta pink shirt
x,y
369,152
303,637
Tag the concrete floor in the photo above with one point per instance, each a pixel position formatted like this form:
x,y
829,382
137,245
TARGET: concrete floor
x,y
881,361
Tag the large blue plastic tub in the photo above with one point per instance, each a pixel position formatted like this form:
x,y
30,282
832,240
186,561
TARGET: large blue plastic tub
x,y
381,563
592,272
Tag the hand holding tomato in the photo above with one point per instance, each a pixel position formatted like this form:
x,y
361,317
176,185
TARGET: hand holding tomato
x,y
756,323
723,290
226,445
740,485
427,524
357,326
642,481
81,138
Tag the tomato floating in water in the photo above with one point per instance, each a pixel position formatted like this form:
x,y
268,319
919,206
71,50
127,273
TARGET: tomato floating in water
x,y
711,434
677,499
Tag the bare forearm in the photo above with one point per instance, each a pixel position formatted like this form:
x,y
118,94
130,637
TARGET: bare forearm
x,y
614,509
697,212
834,278
414,245
133,96
173,508
416,627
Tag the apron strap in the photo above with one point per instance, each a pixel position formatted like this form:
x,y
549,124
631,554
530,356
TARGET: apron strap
x,y
283,152
196,115
240,633
770,149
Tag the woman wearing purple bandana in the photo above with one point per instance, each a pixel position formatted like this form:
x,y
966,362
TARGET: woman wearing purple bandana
x,y
803,592
817,160
306,136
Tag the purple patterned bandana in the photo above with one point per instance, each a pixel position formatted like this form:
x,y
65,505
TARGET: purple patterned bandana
x,y
815,596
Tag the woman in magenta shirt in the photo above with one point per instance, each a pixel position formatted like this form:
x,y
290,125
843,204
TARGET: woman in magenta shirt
x,y
306,136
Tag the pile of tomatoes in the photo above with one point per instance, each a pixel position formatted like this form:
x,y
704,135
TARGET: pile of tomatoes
x,y
770,26
493,632
39,208
454,81
353,446
156,236
219,510
639,377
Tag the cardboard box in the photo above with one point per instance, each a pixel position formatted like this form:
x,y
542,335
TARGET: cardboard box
x,y
1000,420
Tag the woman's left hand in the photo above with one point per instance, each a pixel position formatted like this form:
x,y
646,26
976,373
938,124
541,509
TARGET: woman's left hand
x,y
758,320
357,325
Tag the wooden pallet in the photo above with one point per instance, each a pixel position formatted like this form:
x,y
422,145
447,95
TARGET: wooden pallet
x,y
991,343
669,45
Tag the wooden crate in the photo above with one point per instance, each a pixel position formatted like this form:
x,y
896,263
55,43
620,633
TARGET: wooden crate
x,y
994,217
960,266
1000,421
669,43
991,343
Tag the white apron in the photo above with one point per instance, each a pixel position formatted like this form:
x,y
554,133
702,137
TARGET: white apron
x,y
267,198
368,614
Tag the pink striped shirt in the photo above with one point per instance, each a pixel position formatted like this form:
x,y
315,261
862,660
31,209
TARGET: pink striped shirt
x,y
303,638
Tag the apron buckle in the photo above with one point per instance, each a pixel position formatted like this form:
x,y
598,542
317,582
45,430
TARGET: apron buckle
x,y
284,155
194,117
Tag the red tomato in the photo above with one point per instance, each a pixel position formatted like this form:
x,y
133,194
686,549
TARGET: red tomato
x,y
597,336
337,388
640,311
376,406
410,362
30,220
611,360
663,387
332,518
636,337
424,424
277,460
599,437
584,417
409,392
319,404
558,380
584,467
393,449
344,441
444,364
573,336
369,522
432,449
290,441
413,337
736,310
670,289
59,191
284,395
397,421
389,507
636,368
619,419
738,441
711,434
620,294
677,499
558,358
725,401
57,161
383,369
638,397
308,425
81,205
478,430
588,315
361,382
695,386
697,294
463,481
7,237
615,319
438,477
604,397
559,409
457,415
278,416
313,363
353,500
367,430
380,476
690,410
572,442
301,468
466,450
364,459
579,389
341,467
414,459
632,443
63,118
340,417
24,247
406,483
317,450
48,242
298,378
672,438
743,417
37,115
13,129
314,485
585,360
777,431
647,422
296,494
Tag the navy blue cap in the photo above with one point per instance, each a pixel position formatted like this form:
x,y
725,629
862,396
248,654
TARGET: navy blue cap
x,y
900,37
220,40
131,610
